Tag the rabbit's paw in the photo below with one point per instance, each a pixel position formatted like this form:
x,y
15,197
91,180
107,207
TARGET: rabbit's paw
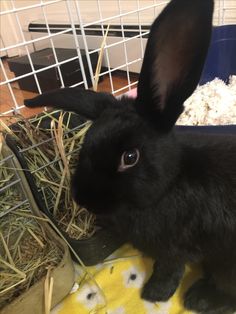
x,y
154,292
204,298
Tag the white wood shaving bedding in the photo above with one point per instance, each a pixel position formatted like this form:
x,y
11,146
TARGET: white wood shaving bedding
x,y
211,104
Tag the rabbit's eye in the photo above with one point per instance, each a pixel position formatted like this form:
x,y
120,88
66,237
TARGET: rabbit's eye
x,y
128,159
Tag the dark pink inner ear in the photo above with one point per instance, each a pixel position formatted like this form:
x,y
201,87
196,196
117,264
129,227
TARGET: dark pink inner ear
x,y
175,57
132,93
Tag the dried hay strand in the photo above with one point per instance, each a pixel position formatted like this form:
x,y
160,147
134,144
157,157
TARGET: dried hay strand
x,y
25,254
48,289
99,62
25,250
52,154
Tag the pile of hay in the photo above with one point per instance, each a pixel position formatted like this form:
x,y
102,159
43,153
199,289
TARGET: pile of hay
x,y
26,253
50,145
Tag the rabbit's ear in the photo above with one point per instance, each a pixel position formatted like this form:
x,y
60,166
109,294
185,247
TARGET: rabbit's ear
x,y
87,103
174,59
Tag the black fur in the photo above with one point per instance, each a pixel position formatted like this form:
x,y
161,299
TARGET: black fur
x,y
91,104
178,203
174,59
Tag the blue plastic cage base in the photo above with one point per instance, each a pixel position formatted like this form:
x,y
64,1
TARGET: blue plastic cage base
x,y
221,58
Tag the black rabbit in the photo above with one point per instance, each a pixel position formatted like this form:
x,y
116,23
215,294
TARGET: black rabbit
x,y
171,194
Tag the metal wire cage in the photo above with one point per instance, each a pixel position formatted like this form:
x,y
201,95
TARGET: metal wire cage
x,y
41,160
78,26
10,186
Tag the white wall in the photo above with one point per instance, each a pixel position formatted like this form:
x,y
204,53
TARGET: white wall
x,y
89,11
88,8
59,13
9,32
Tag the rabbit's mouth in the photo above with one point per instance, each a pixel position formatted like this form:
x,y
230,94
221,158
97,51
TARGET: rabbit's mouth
x,y
95,207
95,201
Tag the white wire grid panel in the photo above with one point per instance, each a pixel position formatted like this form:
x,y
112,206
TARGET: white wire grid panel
x,y
32,25
14,182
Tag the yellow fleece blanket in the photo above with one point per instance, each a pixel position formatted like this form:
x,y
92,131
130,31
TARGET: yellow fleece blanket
x,y
114,287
